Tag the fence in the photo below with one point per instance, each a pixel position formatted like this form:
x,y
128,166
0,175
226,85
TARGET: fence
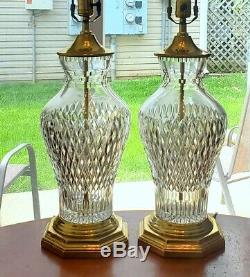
x,y
228,32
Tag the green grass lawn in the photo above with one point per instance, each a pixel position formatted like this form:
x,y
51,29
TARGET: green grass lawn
x,y
22,103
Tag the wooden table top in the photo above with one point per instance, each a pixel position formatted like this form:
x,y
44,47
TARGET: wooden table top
x,y
22,256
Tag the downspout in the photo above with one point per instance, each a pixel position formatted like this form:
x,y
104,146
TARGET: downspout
x,y
166,32
170,33
204,24
204,28
163,23
113,47
33,26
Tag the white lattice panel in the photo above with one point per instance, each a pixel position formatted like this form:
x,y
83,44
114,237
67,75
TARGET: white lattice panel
x,y
228,35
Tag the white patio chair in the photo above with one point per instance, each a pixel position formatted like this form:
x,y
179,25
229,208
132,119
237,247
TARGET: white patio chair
x,y
9,173
238,167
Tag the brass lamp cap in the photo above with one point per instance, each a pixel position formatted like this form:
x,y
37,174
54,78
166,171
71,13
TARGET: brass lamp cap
x,y
183,46
85,45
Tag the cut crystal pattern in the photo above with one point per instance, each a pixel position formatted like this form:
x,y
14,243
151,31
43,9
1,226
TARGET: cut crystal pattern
x,y
182,155
85,156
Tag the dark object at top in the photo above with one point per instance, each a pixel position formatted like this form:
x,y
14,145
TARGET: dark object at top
x,y
86,44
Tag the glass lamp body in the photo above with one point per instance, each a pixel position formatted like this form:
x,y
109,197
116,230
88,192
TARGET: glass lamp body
x,y
183,135
85,127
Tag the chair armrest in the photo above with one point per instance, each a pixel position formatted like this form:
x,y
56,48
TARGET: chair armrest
x,y
231,137
5,161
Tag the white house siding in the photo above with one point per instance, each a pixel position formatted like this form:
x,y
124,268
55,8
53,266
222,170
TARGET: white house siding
x,y
16,40
134,58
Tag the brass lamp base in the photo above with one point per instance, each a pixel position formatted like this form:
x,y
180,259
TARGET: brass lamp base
x,y
179,240
83,240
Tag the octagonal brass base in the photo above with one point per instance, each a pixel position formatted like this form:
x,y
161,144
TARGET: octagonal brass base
x,y
180,240
83,240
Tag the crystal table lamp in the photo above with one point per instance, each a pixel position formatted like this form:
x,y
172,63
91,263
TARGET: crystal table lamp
x,y
85,127
183,130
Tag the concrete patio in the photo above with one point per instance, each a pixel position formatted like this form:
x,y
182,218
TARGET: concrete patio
x,y
17,207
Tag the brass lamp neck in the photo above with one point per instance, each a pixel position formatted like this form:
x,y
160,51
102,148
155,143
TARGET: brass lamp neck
x,y
85,10
183,26
183,11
